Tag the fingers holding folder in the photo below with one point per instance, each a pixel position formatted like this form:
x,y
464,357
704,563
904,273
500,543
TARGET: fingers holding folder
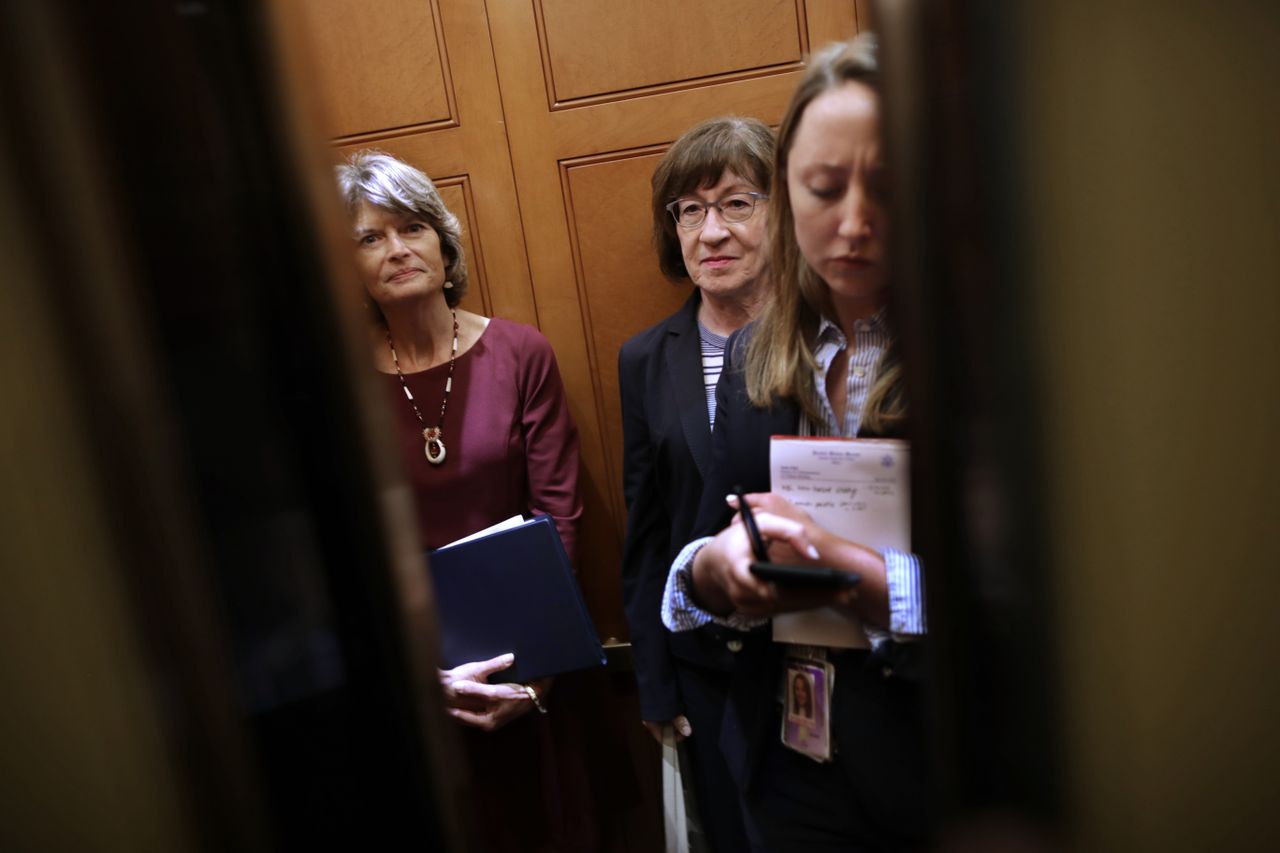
x,y
472,700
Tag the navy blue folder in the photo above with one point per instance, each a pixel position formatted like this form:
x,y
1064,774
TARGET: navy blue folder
x,y
513,591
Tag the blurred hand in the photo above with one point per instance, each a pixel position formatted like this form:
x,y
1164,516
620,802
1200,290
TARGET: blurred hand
x,y
471,700
680,724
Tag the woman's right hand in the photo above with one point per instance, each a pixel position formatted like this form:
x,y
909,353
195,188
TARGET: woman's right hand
x,y
471,700
722,576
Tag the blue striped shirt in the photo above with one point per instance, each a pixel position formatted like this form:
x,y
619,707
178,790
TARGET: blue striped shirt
x,y
903,575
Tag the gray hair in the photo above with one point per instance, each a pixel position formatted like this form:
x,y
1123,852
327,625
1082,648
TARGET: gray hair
x,y
382,180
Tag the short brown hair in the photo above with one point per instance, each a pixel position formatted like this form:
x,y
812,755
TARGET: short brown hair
x,y
697,159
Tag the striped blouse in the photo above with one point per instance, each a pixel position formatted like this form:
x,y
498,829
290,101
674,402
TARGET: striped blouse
x,y
712,363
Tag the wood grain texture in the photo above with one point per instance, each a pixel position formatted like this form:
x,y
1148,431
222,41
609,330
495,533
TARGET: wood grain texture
x,y
829,20
592,49
456,193
381,66
620,286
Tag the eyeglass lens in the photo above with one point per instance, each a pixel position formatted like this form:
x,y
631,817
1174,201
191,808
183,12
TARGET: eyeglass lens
x,y
690,213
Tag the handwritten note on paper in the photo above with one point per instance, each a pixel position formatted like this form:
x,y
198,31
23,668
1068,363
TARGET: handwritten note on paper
x,y
856,488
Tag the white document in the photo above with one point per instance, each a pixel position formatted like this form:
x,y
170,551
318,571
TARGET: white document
x,y
858,488
513,521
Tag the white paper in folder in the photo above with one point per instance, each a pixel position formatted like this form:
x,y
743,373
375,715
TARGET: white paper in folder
x,y
858,488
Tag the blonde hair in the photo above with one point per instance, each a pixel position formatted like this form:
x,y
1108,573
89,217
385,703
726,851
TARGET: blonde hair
x,y
779,362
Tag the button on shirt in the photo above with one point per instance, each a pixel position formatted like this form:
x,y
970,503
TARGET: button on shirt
x,y
902,570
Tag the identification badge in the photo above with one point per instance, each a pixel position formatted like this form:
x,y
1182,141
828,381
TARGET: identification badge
x,y
806,718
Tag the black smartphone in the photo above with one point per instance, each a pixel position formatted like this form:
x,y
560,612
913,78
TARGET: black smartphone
x,y
804,575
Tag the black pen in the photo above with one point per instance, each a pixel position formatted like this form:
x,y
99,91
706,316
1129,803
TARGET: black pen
x,y
753,532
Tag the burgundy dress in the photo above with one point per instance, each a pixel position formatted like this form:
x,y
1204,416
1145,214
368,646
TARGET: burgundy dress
x,y
511,445
512,448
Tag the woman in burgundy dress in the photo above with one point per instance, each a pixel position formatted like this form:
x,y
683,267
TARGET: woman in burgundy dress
x,y
485,434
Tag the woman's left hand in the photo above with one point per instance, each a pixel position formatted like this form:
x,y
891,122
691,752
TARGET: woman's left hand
x,y
471,700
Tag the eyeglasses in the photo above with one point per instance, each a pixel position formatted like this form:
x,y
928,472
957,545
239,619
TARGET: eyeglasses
x,y
737,207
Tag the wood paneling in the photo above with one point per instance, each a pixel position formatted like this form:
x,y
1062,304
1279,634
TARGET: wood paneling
x,y
608,200
456,193
863,15
380,65
591,48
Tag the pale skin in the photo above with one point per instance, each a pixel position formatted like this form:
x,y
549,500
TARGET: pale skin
x,y
834,175
726,261
724,584
403,271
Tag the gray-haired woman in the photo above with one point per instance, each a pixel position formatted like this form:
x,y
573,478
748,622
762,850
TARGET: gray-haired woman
x,y
485,433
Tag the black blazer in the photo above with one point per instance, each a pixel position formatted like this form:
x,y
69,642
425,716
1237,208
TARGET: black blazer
x,y
667,443
739,454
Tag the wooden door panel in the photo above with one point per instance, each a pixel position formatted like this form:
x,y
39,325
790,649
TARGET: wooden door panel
x,y
831,20
622,290
658,118
380,67
593,49
457,196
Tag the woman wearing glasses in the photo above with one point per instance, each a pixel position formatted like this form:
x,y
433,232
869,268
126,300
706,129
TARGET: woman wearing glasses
x,y
819,361
710,209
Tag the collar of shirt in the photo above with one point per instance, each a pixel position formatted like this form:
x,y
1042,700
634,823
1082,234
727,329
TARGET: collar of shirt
x,y
870,339
829,331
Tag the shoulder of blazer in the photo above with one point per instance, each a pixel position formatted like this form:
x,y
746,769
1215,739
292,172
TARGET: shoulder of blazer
x,y
685,320
647,341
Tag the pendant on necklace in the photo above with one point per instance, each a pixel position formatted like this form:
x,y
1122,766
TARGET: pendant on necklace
x,y
434,438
